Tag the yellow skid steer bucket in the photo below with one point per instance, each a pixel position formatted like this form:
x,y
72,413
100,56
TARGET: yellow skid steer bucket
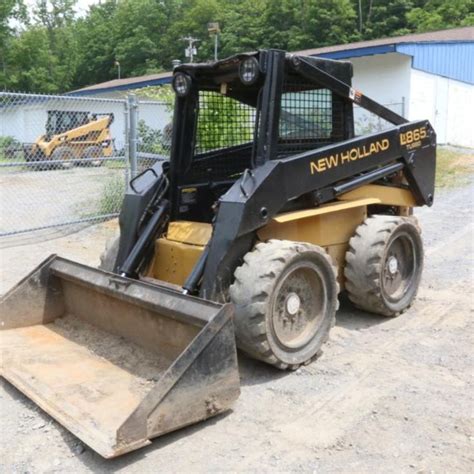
x,y
116,361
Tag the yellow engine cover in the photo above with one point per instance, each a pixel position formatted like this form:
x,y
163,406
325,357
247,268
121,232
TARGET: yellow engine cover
x,y
178,251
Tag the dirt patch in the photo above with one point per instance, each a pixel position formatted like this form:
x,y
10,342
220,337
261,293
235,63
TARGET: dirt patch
x,y
146,366
19,255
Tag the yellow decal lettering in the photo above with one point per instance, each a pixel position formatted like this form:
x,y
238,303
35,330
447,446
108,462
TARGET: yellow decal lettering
x,y
332,161
328,162
313,167
322,164
353,154
344,157
412,138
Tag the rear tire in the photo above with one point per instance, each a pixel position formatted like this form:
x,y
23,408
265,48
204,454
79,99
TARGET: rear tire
x,y
285,295
95,154
384,263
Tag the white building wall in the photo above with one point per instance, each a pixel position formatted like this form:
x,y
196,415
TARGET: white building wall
x,y
383,77
27,121
446,103
155,114
460,114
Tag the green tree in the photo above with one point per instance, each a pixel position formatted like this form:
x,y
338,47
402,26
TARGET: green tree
x,y
243,32
386,18
326,22
438,14
55,51
11,12
95,34
30,64
222,122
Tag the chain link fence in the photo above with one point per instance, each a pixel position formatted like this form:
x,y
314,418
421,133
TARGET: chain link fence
x,y
67,160
366,122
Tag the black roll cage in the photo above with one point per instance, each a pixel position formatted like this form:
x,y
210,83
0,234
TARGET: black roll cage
x,y
269,182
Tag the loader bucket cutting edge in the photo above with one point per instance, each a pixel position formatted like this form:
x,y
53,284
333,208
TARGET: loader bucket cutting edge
x,y
116,361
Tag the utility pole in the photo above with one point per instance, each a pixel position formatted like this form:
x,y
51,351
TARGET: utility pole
x,y
118,67
213,29
191,50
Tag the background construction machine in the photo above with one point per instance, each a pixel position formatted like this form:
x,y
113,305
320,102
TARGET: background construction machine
x,y
268,207
72,137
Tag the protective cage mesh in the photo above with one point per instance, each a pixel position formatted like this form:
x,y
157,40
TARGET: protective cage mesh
x,y
222,122
309,118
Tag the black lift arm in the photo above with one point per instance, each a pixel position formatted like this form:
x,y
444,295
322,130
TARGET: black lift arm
x,y
325,172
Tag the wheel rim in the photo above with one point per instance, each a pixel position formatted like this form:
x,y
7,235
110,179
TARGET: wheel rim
x,y
400,267
298,306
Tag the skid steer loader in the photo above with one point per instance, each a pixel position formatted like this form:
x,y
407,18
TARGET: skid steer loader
x,y
268,207
71,137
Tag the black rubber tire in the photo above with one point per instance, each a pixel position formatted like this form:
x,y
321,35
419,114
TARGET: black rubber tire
x,y
91,152
261,297
64,154
109,255
368,278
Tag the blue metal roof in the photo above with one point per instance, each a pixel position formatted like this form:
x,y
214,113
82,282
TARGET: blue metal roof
x,y
358,52
452,59
449,59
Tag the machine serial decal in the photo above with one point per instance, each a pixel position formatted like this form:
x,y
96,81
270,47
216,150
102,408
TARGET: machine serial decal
x,y
331,161
412,138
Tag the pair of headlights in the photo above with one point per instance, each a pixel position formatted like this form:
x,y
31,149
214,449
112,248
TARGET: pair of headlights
x,y
248,73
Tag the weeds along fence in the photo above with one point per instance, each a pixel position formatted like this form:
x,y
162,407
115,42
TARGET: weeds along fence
x,y
67,160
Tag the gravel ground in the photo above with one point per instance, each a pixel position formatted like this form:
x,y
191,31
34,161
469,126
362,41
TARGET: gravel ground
x,y
32,199
387,395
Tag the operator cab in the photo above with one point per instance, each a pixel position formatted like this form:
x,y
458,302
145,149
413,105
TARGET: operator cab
x,y
60,121
222,104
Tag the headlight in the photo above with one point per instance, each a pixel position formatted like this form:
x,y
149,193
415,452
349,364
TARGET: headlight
x,y
181,84
249,71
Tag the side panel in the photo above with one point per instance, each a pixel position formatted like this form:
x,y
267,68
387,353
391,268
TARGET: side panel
x,y
385,194
173,261
177,253
332,231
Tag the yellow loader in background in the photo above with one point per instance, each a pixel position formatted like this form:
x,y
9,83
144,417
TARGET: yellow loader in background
x,y
72,137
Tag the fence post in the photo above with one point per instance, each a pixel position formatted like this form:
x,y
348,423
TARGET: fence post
x,y
132,133
126,148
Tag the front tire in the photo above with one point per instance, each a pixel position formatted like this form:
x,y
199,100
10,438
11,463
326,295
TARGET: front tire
x,y
384,263
65,155
285,295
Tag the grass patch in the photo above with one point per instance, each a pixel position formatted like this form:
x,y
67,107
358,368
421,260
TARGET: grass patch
x,y
453,167
112,196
